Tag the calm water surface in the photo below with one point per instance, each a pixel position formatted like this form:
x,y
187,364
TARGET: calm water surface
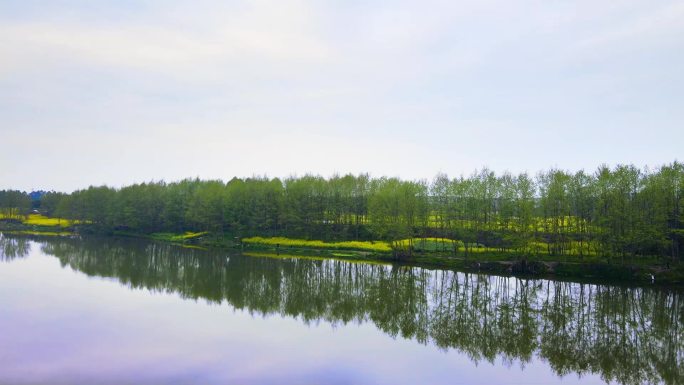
x,y
111,311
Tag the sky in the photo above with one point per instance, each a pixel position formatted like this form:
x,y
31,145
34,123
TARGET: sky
x,y
121,92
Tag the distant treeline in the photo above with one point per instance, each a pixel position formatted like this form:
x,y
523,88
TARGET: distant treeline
x,y
616,212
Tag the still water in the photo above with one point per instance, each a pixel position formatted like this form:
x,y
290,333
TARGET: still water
x,y
108,311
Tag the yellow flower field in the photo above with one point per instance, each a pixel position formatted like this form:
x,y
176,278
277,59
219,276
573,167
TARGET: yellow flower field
x,y
289,242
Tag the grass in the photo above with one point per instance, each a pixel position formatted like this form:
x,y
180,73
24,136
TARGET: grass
x,y
419,244
487,260
185,237
444,247
378,246
41,233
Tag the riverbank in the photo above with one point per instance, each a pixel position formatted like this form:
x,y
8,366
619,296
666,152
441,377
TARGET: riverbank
x,y
428,252
590,272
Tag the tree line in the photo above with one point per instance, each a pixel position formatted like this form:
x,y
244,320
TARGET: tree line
x,y
14,203
621,212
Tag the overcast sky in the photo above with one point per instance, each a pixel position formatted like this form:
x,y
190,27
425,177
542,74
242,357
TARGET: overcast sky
x,y
116,92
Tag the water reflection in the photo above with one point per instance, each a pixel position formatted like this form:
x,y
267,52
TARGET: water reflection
x,y
628,335
13,247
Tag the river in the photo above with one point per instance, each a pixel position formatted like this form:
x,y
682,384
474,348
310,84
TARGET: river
x,y
123,311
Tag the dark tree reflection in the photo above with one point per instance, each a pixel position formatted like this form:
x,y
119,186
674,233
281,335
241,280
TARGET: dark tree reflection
x,y
13,247
628,335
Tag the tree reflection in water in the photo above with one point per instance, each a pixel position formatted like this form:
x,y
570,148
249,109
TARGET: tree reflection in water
x,y
13,247
628,335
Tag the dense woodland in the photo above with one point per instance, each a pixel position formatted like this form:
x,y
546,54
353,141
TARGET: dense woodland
x,y
621,212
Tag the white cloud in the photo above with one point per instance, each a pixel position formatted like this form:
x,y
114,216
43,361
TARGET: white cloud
x,y
666,22
215,89
258,35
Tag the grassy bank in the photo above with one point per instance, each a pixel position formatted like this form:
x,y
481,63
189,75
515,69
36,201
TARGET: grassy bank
x,y
39,233
425,252
370,246
36,224
438,253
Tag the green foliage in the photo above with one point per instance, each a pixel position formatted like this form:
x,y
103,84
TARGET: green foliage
x,y
622,213
14,204
396,209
